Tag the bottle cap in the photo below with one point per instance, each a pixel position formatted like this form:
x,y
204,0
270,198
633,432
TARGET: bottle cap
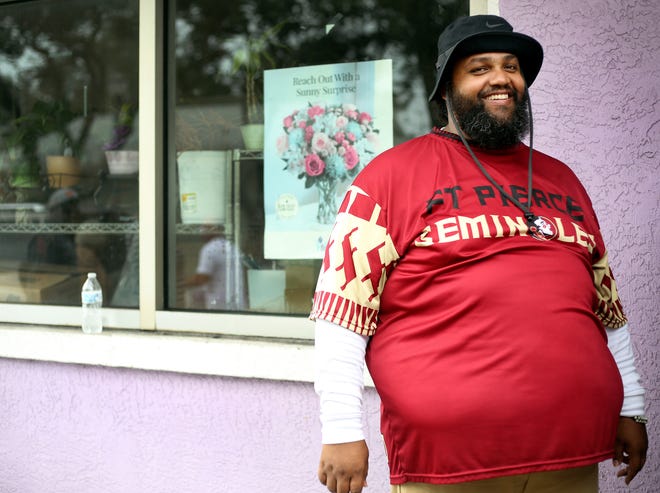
x,y
91,274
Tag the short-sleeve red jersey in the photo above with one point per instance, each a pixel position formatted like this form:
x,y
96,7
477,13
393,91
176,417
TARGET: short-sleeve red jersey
x,y
487,344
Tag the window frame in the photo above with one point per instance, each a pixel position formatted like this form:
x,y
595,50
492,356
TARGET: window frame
x,y
278,347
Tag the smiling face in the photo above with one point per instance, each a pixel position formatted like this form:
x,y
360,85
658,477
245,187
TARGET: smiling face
x,y
487,95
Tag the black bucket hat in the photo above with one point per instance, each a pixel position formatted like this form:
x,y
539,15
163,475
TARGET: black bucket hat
x,y
482,34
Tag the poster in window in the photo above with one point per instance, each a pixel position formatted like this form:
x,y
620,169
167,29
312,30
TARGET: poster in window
x,y
323,124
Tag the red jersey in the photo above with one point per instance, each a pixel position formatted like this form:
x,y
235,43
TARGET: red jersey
x,y
488,349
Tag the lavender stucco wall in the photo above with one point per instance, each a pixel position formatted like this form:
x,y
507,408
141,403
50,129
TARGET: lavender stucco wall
x,y
77,429
597,107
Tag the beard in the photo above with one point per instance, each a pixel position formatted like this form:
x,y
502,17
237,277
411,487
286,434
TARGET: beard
x,y
486,130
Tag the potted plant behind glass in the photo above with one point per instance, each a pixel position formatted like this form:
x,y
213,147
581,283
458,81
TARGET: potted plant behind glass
x,y
46,120
55,119
19,154
120,161
251,59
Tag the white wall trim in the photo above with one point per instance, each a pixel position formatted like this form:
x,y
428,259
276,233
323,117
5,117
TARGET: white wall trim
x,y
49,315
282,360
150,183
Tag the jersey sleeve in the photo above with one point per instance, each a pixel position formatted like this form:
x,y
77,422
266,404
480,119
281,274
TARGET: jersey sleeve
x,y
359,255
608,307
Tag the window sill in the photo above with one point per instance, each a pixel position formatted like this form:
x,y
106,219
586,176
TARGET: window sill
x,y
242,354
226,356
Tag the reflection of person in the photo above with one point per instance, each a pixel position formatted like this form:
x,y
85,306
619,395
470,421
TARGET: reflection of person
x,y
217,275
57,249
431,262
104,254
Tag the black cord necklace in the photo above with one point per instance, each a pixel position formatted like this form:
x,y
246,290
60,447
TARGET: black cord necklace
x,y
530,218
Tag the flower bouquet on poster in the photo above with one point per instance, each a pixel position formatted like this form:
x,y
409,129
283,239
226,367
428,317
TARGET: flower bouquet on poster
x,y
323,125
324,145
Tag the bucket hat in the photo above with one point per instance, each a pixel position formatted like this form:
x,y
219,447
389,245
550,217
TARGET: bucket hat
x,y
482,34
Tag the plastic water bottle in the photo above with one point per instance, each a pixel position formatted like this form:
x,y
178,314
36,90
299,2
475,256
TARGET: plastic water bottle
x,y
92,300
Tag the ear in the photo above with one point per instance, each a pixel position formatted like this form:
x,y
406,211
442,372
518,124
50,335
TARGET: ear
x,y
443,90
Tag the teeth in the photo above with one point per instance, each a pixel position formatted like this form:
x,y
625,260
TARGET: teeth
x,y
498,96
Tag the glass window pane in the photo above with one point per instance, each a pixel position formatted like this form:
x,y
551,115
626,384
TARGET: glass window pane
x,y
224,58
68,150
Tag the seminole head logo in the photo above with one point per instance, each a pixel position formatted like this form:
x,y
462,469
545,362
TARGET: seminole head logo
x,y
542,228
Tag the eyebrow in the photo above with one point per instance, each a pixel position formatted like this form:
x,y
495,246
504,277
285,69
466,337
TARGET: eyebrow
x,y
489,58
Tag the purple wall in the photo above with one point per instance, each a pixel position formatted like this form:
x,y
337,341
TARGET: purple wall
x,y
597,107
79,429
68,428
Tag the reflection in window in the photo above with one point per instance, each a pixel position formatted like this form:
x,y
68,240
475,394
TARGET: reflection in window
x,y
68,150
217,61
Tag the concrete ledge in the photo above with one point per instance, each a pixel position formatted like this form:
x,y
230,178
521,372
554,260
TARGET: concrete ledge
x,y
208,355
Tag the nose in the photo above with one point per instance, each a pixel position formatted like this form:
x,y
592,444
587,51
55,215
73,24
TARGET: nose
x,y
500,77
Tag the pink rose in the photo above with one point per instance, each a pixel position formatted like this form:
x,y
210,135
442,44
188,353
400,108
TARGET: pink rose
x,y
339,138
364,118
314,165
352,115
309,133
314,111
288,121
351,158
351,136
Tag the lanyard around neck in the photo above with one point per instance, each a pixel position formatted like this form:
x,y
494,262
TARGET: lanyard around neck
x,y
525,208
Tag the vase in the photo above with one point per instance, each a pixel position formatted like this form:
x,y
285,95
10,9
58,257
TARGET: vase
x,y
253,136
266,290
63,171
122,162
327,209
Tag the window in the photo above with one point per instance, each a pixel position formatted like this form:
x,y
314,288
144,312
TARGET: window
x,y
49,56
234,243
68,150
70,98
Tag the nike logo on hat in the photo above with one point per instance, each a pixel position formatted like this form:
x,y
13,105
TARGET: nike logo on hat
x,y
488,24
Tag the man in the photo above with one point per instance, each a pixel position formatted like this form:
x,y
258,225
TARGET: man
x,y
216,273
475,270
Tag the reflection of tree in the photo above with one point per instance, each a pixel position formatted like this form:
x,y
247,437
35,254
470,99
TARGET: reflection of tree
x,y
71,54
405,30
